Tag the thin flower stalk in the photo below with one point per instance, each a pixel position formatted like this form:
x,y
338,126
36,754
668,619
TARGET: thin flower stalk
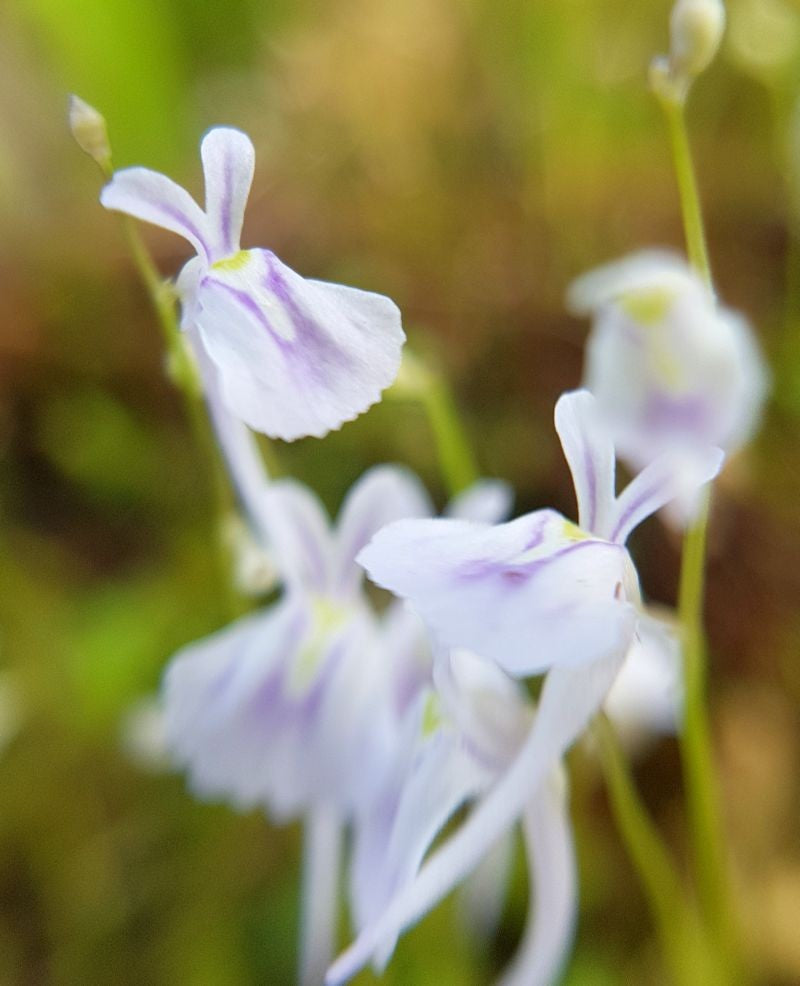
x,y
702,791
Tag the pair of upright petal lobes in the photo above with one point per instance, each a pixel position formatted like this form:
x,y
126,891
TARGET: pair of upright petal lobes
x,y
671,369
538,593
294,357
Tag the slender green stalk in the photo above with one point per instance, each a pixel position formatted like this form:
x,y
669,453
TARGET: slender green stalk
x,y
702,794
420,382
455,454
184,374
675,925
687,187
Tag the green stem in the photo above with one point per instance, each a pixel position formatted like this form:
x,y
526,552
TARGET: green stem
x,y
676,928
455,454
184,374
687,187
700,779
702,790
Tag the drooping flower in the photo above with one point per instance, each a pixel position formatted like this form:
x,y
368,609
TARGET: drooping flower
x,y
294,356
534,594
671,369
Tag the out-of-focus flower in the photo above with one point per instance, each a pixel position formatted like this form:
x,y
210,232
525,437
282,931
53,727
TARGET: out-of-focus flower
x,y
672,371
294,357
255,712
535,594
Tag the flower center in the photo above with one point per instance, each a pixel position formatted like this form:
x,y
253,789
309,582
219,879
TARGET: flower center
x,y
235,262
327,618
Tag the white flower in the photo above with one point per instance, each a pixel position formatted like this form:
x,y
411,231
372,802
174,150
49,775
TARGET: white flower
x,y
294,357
535,594
670,368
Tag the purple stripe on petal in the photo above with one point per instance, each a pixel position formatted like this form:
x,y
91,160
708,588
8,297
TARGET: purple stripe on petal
x,y
226,205
635,505
519,574
310,336
173,213
591,480
246,301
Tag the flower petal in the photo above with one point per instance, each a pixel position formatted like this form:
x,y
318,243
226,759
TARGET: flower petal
x,y
552,888
589,452
154,198
646,699
528,594
299,532
484,891
240,450
671,369
647,270
228,162
488,501
254,712
570,697
211,685
443,778
322,853
295,357
383,494
670,477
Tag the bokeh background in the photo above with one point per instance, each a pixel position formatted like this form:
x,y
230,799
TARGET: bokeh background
x,y
467,158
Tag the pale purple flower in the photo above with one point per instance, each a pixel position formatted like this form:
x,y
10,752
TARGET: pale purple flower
x,y
534,594
294,357
671,369
298,708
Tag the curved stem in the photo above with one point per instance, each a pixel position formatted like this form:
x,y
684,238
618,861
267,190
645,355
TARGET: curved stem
x,y
675,926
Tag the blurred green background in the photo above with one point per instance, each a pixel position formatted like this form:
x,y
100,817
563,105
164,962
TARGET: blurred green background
x,y
467,158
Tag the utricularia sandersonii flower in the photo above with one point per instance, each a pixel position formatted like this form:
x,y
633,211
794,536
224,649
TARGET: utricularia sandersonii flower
x,y
671,369
536,594
294,356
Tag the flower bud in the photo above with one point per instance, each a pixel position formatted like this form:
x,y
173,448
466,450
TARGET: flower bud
x,y
88,127
696,29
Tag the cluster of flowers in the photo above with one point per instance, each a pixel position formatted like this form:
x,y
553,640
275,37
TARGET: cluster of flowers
x,y
384,722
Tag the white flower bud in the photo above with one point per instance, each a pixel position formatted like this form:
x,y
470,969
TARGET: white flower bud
x,y
88,127
696,29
